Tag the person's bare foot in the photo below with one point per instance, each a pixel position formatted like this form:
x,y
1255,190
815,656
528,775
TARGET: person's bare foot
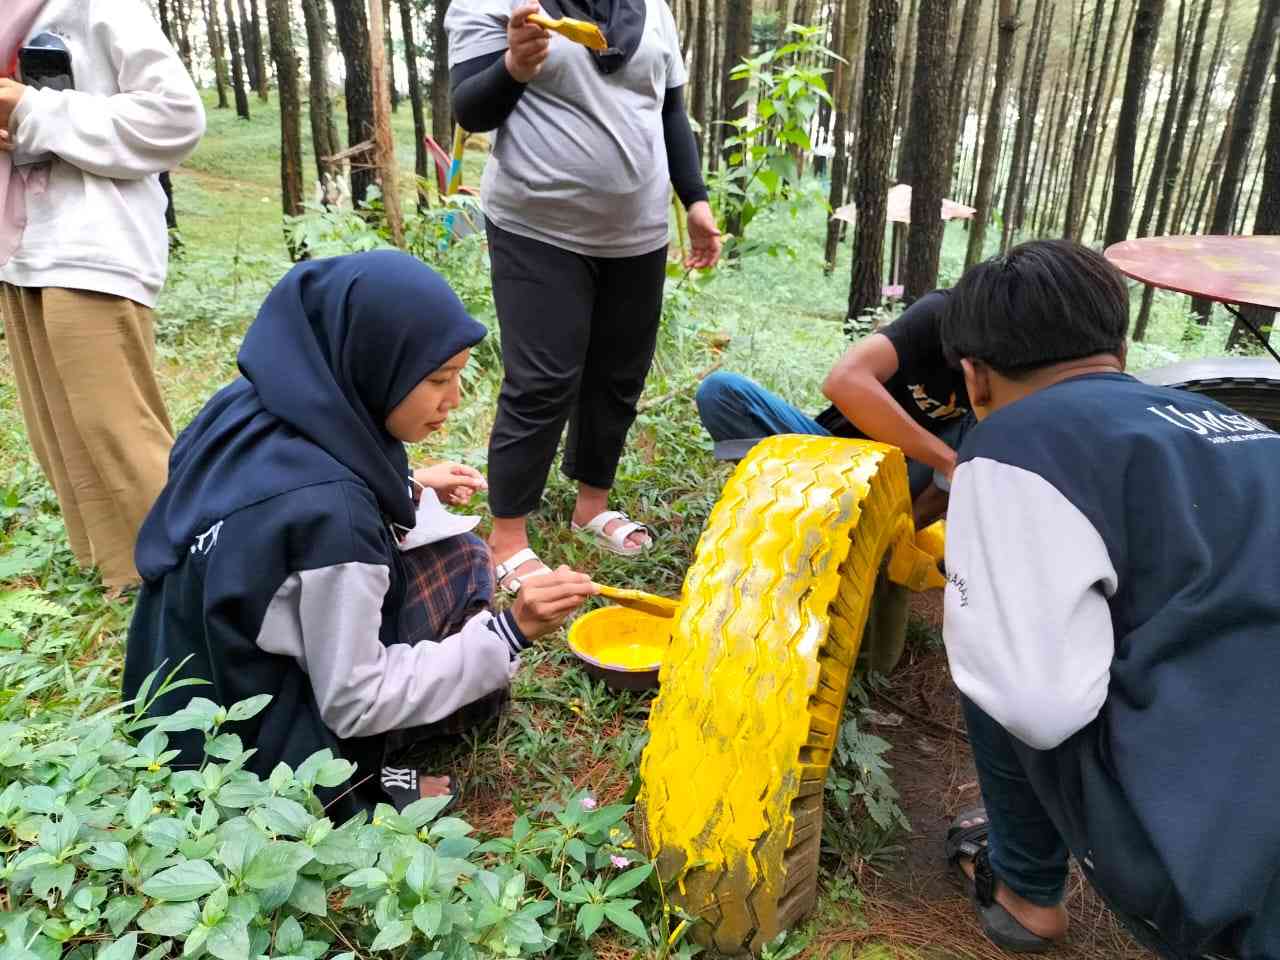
x,y
435,787
1047,922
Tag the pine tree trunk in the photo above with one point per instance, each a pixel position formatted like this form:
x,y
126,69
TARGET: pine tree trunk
x,y
391,57
930,168
1267,220
353,38
1146,30
1161,157
217,51
1104,125
237,64
1257,63
1046,199
991,141
263,81
182,26
1169,175
972,188
324,135
966,41
1037,81
702,73
246,40
421,161
902,111
843,81
737,47
388,170
1022,129
875,144
281,36
441,113
1186,191
166,23
1094,77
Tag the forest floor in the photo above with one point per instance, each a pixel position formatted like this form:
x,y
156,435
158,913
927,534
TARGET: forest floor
x,y
775,319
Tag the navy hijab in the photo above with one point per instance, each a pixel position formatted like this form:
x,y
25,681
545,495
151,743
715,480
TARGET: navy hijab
x,y
337,345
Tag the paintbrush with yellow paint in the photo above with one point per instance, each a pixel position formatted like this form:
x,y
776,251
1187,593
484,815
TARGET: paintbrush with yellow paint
x,y
639,600
579,31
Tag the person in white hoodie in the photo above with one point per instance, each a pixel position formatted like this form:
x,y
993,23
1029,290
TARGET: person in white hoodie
x,y
83,255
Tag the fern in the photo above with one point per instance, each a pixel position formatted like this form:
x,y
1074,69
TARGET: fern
x,y
862,756
17,606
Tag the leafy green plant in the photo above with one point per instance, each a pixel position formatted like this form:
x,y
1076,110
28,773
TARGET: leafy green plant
x,y
110,853
762,170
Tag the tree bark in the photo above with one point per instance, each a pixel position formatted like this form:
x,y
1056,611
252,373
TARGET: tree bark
x,y
737,47
353,38
324,135
971,191
902,111
1037,80
421,162
246,40
182,26
1146,30
281,37
217,50
441,114
1022,129
263,81
237,64
1267,219
166,23
1161,157
991,142
966,41
391,57
851,25
384,141
1094,77
874,146
1186,191
702,74
1104,123
930,169
1257,63
1046,199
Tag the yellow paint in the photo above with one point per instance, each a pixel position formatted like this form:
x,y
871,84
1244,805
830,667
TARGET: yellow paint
x,y
621,638
933,539
579,31
761,650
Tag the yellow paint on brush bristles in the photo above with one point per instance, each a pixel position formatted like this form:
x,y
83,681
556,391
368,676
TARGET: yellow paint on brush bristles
x,y
579,31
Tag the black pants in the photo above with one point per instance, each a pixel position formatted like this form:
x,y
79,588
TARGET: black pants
x,y
578,335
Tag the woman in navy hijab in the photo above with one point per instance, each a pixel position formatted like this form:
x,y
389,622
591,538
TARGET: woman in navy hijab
x,y
291,554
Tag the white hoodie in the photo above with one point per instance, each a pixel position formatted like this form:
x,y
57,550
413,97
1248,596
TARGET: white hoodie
x,y
134,113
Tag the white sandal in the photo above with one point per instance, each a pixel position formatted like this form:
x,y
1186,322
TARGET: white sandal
x,y
615,542
506,572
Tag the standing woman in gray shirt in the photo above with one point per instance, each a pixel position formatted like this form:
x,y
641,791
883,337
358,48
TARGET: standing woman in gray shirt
x,y
575,198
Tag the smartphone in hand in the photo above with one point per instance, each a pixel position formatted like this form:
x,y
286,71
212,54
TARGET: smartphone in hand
x,y
44,64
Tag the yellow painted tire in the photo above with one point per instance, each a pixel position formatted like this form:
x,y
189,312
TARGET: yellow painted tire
x,y
762,649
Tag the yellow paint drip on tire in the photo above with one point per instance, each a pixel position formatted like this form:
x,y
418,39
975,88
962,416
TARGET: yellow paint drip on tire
x,y
762,647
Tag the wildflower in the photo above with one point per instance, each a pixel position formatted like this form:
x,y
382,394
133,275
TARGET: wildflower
x,y
589,802
618,861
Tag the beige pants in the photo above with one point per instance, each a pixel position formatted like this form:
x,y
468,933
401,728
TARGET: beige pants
x,y
94,414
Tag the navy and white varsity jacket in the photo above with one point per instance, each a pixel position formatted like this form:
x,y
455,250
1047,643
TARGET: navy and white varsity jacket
x,y
1113,551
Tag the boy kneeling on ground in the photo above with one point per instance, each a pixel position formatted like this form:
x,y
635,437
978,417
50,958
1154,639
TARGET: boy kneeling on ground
x,y
1113,623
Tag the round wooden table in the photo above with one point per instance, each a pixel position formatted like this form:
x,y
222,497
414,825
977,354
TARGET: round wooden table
x,y
1234,271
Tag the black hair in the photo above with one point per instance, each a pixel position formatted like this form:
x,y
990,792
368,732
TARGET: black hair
x,y
1043,302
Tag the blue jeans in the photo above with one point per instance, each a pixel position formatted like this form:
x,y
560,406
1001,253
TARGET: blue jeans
x,y
1026,850
735,408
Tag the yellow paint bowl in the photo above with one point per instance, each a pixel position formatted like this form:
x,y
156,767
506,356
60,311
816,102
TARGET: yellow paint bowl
x,y
621,646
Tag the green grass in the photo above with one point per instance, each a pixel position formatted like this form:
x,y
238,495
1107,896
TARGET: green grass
x,y
783,317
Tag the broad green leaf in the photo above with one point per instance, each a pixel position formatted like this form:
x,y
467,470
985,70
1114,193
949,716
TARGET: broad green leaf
x,y
57,835
277,863
450,827
308,895
428,916
525,929
284,816
248,708
225,746
38,799
186,881
60,877
138,811
421,875
229,940
215,908
289,936
368,877
394,934
334,773
628,881
121,911
165,833
620,916
577,849
111,855
242,794
421,812
126,948
590,916
196,940
170,919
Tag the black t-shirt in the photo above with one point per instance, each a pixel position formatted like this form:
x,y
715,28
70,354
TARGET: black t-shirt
x,y
925,385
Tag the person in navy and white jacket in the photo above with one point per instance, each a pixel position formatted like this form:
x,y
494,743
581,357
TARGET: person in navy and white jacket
x,y
1113,623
